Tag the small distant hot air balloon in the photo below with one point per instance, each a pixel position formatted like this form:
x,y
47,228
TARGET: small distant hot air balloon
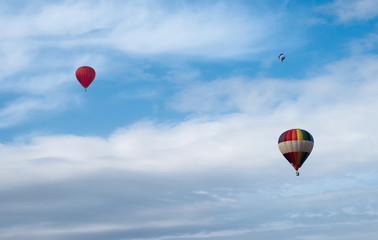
x,y
296,145
281,57
85,75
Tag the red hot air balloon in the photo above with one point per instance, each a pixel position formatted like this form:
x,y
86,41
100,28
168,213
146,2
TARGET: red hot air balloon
x,y
85,75
296,145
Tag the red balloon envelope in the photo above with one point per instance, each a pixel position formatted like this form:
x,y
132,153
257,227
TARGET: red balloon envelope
x,y
85,75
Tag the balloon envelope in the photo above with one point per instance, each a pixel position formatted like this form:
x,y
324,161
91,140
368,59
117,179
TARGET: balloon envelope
x,y
281,57
296,145
85,75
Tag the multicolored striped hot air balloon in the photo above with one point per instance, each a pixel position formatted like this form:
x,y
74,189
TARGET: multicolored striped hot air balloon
x,y
296,145
281,57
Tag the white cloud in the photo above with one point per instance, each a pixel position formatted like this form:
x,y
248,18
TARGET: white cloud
x,y
189,146
201,235
349,10
161,181
45,231
43,43
215,31
146,27
336,107
365,45
346,82
20,109
38,85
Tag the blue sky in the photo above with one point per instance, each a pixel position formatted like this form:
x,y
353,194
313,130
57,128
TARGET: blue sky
x,y
176,138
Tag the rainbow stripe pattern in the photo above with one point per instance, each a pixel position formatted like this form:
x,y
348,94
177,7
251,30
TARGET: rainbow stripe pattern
x,y
296,145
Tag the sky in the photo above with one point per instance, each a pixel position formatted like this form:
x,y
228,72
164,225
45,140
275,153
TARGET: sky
x,y
176,138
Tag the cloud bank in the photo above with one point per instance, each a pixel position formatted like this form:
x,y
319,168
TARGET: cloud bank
x,y
222,172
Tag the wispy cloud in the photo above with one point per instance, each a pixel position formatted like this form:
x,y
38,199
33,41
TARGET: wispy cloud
x,y
365,45
146,27
43,44
20,110
202,235
352,10
44,231
327,85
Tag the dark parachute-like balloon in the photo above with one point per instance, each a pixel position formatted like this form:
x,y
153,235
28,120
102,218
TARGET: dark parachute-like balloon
x,y
296,145
281,57
85,75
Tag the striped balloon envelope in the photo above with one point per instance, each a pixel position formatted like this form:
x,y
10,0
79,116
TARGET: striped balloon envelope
x,y
296,145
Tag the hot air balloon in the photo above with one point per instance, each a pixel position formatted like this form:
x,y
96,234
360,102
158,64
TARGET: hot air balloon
x,y
296,145
85,75
281,57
